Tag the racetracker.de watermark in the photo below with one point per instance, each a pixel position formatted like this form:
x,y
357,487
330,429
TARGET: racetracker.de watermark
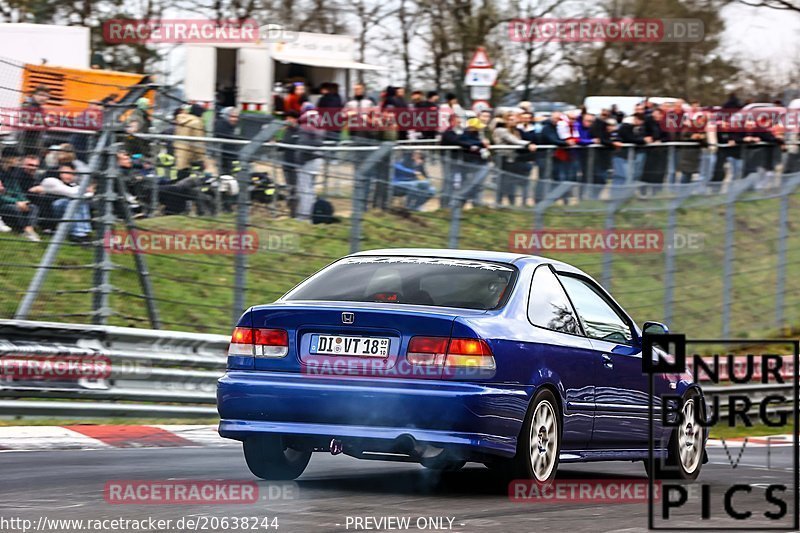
x,y
343,366
623,241
210,242
376,119
22,118
601,30
178,492
755,120
582,491
174,31
54,367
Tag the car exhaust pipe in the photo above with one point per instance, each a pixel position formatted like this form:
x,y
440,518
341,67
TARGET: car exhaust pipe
x,y
336,446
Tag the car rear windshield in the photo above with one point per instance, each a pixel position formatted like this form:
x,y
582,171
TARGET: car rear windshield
x,y
432,281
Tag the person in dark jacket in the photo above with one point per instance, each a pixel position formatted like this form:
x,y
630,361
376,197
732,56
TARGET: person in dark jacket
x,y
431,103
452,162
31,138
291,135
475,157
631,131
549,135
16,208
602,132
394,100
655,165
225,128
309,164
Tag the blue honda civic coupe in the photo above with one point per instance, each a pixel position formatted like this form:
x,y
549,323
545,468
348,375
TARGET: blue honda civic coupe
x,y
447,356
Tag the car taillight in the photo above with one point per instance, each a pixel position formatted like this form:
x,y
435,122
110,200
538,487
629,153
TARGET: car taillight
x,y
259,342
455,353
271,342
241,342
427,350
469,353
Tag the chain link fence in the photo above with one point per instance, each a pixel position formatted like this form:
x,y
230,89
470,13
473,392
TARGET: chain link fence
x,y
183,229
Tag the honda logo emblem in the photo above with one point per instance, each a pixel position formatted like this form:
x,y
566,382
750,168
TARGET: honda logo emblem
x,y
348,318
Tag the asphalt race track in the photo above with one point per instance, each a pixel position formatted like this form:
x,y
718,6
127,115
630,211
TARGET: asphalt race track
x,y
70,485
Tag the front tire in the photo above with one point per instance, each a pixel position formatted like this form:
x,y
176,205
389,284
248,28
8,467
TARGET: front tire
x,y
686,445
539,442
269,457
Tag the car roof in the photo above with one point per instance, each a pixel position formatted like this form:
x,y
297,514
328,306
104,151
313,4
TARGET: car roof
x,y
478,255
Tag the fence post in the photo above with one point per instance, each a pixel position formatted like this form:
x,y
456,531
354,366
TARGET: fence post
x,y
588,174
783,239
735,190
669,252
102,263
447,180
361,190
631,168
614,204
247,155
456,206
49,257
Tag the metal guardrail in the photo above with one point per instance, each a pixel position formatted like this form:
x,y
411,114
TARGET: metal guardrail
x,y
163,374
153,373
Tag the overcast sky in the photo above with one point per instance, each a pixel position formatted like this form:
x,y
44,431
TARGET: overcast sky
x,y
761,34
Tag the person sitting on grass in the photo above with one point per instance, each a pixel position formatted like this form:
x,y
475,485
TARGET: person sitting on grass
x,y
17,211
62,184
410,179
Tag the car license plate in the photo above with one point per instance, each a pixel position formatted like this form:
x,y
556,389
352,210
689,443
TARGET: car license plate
x,y
353,346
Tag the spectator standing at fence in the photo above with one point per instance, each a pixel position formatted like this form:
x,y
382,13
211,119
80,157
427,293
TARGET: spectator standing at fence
x,y
451,106
429,104
141,113
453,165
603,132
396,103
225,128
83,141
360,103
32,136
656,161
731,142
475,156
616,114
515,165
550,134
310,164
331,103
631,131
294,100
291,135
585,138
188,153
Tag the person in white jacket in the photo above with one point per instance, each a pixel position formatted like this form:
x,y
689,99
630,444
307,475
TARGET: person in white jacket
x,y
62,183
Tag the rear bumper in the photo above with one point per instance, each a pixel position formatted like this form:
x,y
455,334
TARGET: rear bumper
x,y
467,417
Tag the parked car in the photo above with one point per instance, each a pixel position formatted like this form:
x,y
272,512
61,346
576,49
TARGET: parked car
x,y
447,356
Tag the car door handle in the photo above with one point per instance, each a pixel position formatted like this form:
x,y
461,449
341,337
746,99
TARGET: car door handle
x,y
607,362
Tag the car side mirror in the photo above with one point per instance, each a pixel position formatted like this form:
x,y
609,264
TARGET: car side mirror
x,y
656,328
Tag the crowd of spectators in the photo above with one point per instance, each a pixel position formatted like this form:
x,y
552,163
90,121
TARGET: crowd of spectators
x,y
523,150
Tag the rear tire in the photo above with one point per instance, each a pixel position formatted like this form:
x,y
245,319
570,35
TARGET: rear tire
x,y
539,442
268,457
686,445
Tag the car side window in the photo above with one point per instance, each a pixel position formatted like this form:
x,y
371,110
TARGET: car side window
x,y
600,319
548,305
